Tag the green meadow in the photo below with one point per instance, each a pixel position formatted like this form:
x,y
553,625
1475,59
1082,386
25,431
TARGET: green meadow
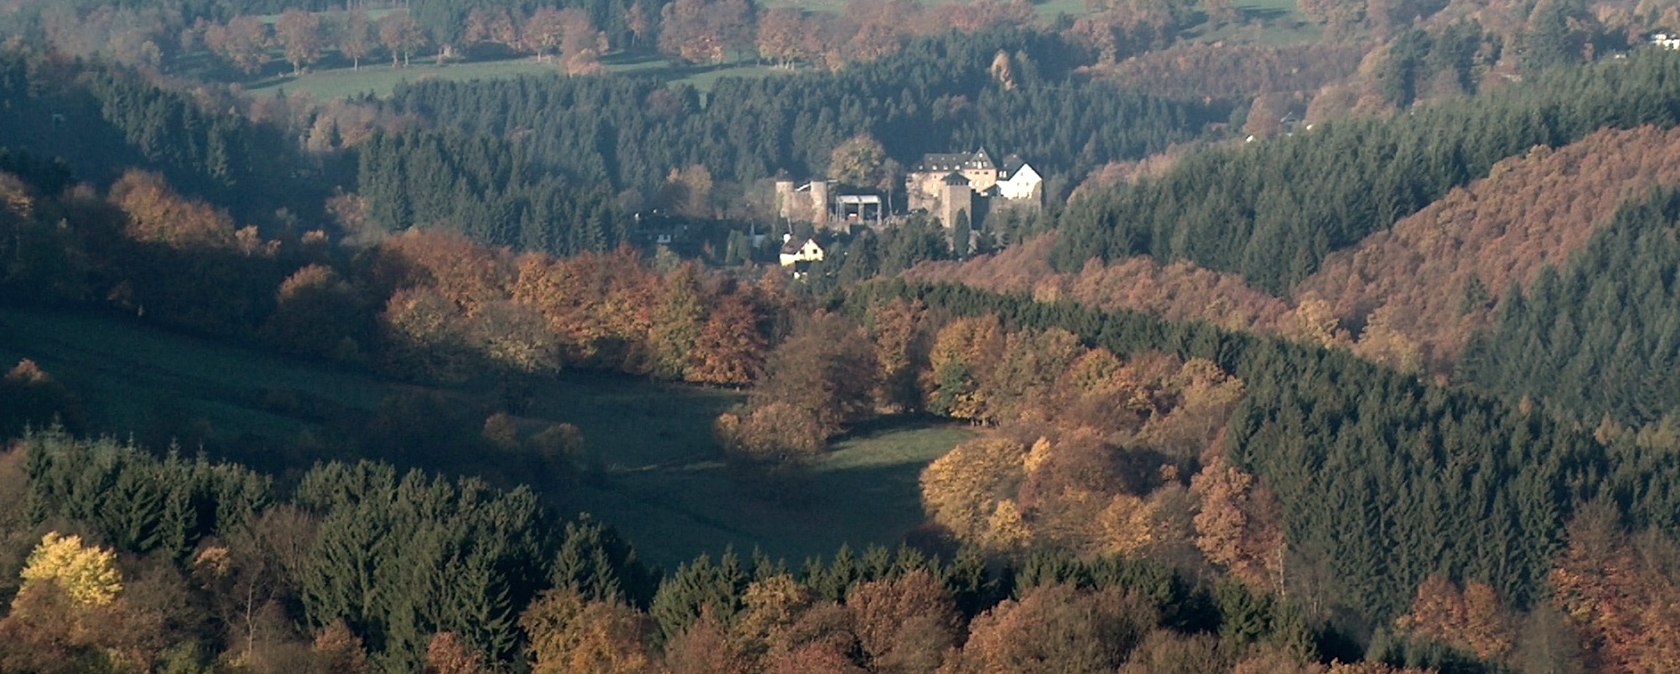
x,y
662,483
378,78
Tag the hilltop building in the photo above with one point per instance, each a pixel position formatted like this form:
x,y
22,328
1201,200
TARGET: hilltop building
x,y
948,186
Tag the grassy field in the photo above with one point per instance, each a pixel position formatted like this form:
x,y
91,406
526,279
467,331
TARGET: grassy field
x,y
1266,21
1048,9
663,485
377,77
865,491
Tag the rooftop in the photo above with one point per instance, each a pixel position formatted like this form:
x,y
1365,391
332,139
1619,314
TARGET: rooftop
x,y
961,161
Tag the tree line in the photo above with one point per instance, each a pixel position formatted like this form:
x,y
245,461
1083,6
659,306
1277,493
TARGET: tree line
x,y
322,575
428,304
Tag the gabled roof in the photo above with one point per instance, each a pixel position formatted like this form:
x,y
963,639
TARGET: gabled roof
x,y
793,246
1013,163
960,161
954,178
1020,173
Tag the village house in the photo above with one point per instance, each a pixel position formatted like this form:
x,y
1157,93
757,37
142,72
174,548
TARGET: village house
x,y
800,249
799,253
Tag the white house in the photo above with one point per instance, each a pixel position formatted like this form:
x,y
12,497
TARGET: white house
x,y
1666,41
795,251
1022,184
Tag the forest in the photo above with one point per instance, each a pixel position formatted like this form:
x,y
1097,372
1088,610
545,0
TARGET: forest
x,y
1335,339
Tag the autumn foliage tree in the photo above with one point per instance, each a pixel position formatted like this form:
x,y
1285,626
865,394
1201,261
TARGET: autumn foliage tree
x,y
1471,619
568,633
88,575
402,36
157,214
1238,525
825,367
731,347
317,312
705,31
785,36
1620,592
898,333
905,624
1056,629
355,37
543,32
300,35
242,42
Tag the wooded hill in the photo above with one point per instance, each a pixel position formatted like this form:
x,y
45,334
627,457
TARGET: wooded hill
x,y
1439,275
1272,213
936,95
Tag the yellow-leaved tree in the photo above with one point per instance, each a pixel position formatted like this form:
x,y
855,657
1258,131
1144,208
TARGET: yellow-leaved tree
x,y
88,574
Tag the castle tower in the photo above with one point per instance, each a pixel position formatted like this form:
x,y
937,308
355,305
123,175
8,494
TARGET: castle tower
x,y
957,196
784,199
819,202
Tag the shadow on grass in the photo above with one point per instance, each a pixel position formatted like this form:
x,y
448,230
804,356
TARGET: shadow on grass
x,y
675,515
1265,14
282,414
879,426
865,491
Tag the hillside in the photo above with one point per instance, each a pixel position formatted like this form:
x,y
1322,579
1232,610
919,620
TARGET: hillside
x,y
1178,291
662,482
1440,275
1273,211
1596,336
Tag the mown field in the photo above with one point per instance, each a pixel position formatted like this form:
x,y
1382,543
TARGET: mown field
x,y
1268,21
662,482
378,78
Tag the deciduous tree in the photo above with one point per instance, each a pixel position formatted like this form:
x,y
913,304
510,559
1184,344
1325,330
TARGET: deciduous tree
x,y
87,574
825,367
300,35
906,624
355,37
402,36
1057,629
1238,525
731,347
857,162
569,634
543,32
243,43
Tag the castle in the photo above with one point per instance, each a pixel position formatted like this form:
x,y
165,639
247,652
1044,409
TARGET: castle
x,y
954,187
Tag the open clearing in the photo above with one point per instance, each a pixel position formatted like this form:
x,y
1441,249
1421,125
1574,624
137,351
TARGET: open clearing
x,y
1274,22
378,78
664,486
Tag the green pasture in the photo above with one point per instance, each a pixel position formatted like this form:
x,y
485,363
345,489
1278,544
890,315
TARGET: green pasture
x,y
378,78
662,483
1048,9
863,492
